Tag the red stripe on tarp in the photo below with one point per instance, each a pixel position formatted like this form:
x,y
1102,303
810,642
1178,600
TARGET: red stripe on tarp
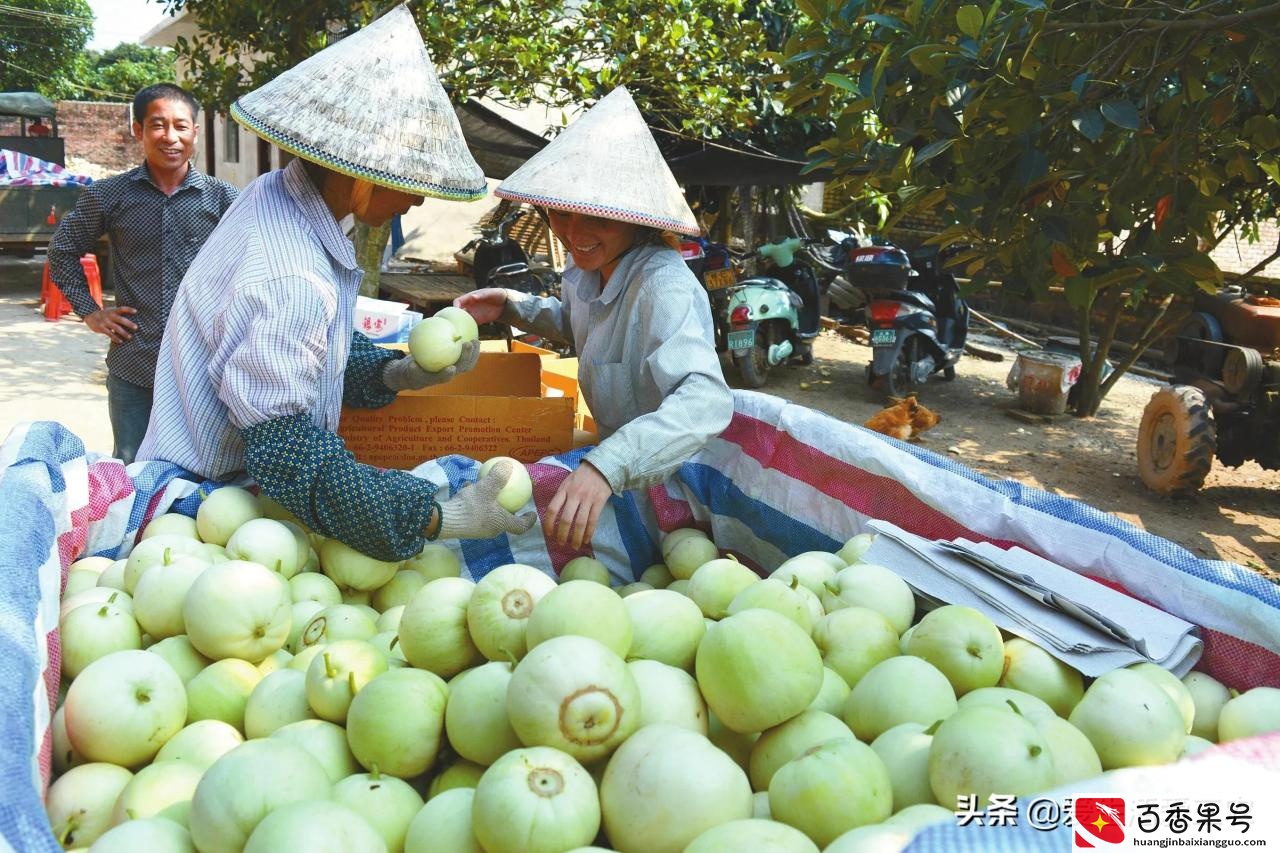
x,y
871,494
52,678
546,480
672,513
1238,663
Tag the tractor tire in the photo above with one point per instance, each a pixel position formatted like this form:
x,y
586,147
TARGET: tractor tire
x,y
1176,441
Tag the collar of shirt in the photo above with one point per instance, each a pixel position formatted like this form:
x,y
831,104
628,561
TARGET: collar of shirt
x,y
310,202
589,282
193,178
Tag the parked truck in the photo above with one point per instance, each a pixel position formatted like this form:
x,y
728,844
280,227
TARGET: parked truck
x,y
30,214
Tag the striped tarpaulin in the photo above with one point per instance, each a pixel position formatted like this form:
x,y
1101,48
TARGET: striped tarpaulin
x,y
23,170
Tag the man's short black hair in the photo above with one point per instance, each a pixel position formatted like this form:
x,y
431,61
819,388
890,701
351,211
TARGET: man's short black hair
x,y
162,92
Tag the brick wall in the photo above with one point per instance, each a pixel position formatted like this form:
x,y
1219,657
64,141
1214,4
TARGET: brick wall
x,y
99,132
1236,255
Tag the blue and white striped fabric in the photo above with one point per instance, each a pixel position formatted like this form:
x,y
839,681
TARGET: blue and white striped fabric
x,y
260,329
23,170
780,480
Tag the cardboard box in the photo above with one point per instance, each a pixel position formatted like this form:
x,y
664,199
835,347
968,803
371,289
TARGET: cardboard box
x,y
495,410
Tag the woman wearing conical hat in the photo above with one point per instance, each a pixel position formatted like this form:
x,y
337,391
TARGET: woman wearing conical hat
x,y
635,313
259,355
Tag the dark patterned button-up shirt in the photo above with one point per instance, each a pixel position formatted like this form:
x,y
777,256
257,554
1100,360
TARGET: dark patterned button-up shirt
x,y
153,238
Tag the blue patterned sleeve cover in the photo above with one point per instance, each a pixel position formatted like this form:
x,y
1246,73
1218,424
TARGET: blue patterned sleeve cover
x,y
311,472
362,385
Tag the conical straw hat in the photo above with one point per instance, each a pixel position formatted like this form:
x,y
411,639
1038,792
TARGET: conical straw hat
x,y
369,106
605,164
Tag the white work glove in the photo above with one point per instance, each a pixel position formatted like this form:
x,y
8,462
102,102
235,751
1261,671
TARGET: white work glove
x,y
473,513
404,374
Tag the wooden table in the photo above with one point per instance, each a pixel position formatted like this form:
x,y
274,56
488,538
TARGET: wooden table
x,y
425,292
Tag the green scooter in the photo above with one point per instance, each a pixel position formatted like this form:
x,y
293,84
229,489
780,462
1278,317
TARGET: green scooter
x,y
773,317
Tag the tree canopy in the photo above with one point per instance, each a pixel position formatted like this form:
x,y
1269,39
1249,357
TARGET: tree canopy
x,y
699,66
1100,147
124,69
40,44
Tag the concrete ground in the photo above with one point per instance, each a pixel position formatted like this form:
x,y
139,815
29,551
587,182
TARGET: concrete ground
x,y
49,371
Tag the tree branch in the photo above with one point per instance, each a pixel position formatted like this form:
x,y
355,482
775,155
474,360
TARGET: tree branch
x,y
1148,25
1151,332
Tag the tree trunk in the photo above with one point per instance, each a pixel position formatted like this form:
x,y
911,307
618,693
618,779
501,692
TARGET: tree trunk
x,y
722,231
370,243
1093,389
1094,359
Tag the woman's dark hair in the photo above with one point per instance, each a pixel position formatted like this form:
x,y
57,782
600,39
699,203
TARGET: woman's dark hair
x,y
162,92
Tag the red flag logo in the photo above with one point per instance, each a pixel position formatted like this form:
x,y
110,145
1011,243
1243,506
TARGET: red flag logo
x,y
1098,821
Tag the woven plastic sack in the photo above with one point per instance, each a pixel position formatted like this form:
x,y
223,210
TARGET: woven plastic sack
x,y
780,480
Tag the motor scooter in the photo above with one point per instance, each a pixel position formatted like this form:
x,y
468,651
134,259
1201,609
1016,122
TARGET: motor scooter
x,y
774,316
917,319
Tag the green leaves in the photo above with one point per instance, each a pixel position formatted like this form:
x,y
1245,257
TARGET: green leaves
x,y
969,19
1121,113
1090,124
887,21
933,149
841,81
43,52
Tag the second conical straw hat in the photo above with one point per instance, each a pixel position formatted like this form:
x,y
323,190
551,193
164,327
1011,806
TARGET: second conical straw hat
x,y
370,106
605,164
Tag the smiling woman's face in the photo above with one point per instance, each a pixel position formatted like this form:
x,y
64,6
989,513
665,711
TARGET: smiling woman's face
x,y
595,243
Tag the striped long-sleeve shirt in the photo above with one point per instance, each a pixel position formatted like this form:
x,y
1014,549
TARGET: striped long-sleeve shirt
x,y
153,237
261,329
648,365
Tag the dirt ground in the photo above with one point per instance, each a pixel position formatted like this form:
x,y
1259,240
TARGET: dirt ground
x,y
1235,517
54,371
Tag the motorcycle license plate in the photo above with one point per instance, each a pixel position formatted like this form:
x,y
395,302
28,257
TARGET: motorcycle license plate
x,y
744,339
883,337
717,279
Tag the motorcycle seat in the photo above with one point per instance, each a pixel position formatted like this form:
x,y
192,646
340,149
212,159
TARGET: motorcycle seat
x,y
833,256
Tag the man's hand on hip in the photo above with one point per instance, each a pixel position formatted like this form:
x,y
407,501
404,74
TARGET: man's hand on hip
x,y
113,322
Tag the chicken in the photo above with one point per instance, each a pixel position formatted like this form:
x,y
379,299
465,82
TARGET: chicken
x,y
904,420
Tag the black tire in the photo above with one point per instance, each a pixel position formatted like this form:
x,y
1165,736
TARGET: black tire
x,y
949,373
1176,441
898,380
754,366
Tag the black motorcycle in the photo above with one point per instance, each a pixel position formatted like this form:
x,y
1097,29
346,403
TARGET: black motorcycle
x,y
497,260
916,316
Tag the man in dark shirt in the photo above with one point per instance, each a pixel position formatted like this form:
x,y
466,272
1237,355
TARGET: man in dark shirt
x,y
156,217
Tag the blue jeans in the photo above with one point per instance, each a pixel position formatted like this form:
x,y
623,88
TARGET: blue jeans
x,y
129,406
